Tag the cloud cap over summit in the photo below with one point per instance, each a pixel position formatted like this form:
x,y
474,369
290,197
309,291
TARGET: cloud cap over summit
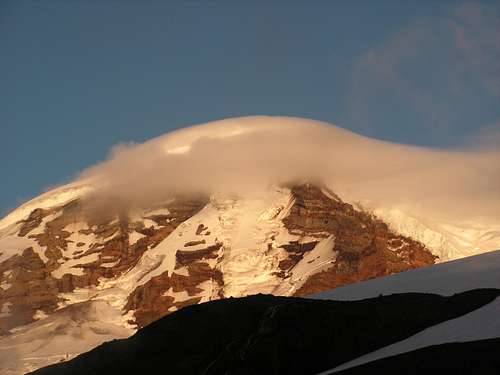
x,y
243,155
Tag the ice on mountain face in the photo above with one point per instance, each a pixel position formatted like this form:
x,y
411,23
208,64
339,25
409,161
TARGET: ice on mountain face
x,y
244,227
247,226
445,238
251,233
318,259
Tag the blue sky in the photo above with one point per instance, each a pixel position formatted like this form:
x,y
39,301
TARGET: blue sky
x,y
78,77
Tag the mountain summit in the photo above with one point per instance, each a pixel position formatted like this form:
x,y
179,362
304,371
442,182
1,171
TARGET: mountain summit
x,y
281,206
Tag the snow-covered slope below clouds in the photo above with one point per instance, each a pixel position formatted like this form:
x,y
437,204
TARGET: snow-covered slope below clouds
x,y
50,199
446,238
61,336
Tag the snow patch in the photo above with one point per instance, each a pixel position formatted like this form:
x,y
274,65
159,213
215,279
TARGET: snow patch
x,y
156,212
13,245
150,223
4,285
53,198
445,239
318,259
71,266
39,315
109,263
41,227
134,237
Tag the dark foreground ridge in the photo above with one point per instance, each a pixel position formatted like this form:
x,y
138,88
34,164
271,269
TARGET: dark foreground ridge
x,y
475,357
264,334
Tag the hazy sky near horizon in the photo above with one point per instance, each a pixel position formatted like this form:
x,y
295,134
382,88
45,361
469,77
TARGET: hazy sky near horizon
x,y
78,77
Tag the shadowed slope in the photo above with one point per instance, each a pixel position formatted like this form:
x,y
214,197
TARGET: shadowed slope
x,y
476,357
267,334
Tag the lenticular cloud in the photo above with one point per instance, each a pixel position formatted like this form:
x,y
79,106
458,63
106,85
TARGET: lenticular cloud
x,y
245,155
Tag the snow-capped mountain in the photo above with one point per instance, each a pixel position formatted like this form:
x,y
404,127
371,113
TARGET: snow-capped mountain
x,y
96,270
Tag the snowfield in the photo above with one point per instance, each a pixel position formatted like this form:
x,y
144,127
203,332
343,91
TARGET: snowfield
x,y
61,336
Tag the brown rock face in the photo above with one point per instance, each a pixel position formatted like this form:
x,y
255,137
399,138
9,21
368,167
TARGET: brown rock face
x,y
364,246
187,257
32,287
150,303
33,221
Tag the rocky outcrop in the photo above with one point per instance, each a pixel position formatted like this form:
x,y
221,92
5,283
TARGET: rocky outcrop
x,y
157,297
187,257
34,287
31,289
152,300
364,246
